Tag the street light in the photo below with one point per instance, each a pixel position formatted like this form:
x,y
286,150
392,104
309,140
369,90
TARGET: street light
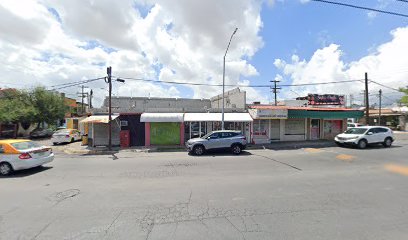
x,y
223,79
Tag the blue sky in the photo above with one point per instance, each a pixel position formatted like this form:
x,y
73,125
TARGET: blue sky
x,y
295,28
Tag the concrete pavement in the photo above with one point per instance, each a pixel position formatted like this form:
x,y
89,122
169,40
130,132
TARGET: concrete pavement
x,y
310,193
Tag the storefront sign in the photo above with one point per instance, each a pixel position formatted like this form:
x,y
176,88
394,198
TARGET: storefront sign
x,y
325,99
269,113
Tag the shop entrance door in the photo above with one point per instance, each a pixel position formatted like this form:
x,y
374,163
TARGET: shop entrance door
x,y
275,130
315,129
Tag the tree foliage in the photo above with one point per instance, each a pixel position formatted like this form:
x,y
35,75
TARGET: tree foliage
x,y
404,99
35,106
50,106
16,106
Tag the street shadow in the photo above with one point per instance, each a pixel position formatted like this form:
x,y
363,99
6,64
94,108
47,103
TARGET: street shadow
x,y
100,153
221,153
371,147
293,145
27,172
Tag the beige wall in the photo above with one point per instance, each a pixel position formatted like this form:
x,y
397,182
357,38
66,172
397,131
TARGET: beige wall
x,y
233,99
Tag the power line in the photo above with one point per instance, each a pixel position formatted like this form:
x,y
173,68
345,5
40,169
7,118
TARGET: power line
x,y
320,83
82,81
364,8
77,84
385,86
235,85
405,1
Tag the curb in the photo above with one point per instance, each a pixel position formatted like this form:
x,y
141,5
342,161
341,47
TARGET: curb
x,y
271,146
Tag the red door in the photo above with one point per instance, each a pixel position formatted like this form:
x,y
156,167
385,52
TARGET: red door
x,y
124,138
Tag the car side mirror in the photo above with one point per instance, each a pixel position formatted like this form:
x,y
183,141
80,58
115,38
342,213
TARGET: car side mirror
x,y
370,133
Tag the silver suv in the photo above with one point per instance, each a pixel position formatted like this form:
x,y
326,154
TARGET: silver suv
x,y
363,136
233,140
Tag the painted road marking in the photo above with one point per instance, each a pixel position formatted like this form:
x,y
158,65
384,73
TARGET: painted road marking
x,y
345,157
403,170
313,150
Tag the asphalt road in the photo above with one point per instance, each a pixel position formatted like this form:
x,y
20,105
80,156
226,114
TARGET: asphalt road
x,y
316,193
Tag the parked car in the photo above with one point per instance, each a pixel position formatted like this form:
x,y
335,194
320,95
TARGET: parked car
x,y
232,140
18,154
363,136
352,125
41,133
66,136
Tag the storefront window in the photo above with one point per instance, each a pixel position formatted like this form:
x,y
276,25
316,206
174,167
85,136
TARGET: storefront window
x,y
295,127
261,128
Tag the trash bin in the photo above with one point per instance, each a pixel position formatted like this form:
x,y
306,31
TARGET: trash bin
x,y
85,140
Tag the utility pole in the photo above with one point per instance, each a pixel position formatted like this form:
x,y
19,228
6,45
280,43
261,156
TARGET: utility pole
x,y
379,110
275,90
367,105
223,80
82,97
90,98
351,100
109,72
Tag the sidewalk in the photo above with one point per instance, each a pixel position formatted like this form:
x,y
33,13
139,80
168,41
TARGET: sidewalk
x,y
77,148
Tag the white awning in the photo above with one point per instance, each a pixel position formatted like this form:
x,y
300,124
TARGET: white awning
x,y
98,119
217,117
161,117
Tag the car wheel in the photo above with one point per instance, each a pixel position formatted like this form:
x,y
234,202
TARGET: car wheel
x,y
72,140
54,143
387,142
236,149
198,150
362,144
5,169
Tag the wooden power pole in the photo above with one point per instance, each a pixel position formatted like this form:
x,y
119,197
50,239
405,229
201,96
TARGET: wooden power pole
x,y
275,90
367,104
379,110
109,72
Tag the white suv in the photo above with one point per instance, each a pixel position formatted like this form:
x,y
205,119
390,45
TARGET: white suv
x,y
232,140
362,136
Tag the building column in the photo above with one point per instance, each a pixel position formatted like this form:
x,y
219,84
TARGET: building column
x,y
147,134
282,129
181,134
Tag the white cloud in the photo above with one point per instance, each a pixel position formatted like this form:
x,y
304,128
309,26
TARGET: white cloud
x,y
54,42
385,65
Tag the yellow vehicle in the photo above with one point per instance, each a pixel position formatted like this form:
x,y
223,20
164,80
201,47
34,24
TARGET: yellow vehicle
x,y
18,154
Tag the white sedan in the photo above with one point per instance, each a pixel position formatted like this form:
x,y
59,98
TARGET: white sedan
x,y
18,154
66,136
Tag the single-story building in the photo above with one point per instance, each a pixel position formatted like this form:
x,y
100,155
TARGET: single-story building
x,y
98,130
395,118
199,124
285,123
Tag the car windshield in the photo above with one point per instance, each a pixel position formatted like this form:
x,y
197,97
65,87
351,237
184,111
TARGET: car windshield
x,y
356,131
25,145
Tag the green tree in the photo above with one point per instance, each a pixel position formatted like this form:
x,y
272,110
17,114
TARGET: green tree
x,y
404,99
49,106
16,106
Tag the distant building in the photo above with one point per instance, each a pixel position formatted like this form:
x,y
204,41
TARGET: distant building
x,y
233,99
395,118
